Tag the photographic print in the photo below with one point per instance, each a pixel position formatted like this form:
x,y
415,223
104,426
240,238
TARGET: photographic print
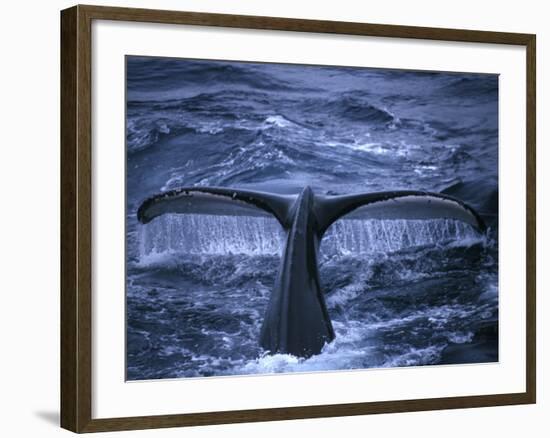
x,y
286,218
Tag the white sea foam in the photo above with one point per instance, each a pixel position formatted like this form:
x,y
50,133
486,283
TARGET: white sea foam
x,y
460,337
279,121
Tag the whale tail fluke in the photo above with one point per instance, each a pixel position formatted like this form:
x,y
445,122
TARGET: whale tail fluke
x,y
404,204
296,319
216,201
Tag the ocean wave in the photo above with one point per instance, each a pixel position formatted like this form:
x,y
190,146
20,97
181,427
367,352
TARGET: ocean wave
x,y
352,108
166,76
472,86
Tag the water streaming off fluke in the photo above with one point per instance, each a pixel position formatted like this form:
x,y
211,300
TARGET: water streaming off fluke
x,y
219,235
215,235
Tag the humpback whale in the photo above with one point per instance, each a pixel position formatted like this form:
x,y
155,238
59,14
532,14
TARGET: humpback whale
x,y
296,320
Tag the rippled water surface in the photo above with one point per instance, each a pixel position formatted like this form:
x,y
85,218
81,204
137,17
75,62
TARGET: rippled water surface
x,y
399,292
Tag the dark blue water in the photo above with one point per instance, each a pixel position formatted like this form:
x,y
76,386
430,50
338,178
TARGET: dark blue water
x,y
399,293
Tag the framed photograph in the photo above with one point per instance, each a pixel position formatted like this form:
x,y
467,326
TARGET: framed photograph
x,y
269,218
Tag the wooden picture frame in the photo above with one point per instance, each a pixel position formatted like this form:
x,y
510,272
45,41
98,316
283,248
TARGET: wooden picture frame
x,y
76,218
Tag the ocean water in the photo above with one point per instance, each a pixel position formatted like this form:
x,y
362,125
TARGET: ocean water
x,y
399,293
